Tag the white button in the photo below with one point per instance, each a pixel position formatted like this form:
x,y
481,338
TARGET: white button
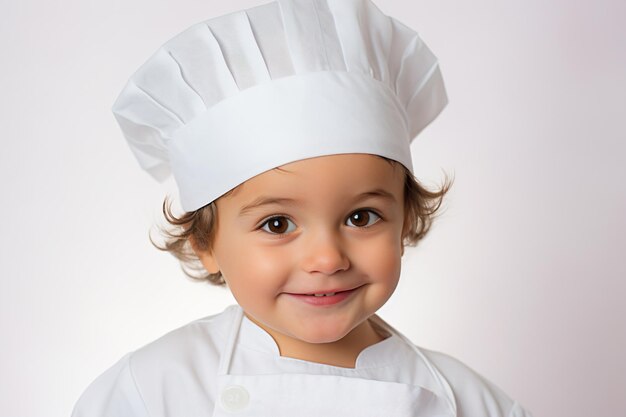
x,y
235,398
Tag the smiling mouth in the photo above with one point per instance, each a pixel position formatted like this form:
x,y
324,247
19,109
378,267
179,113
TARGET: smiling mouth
x,y
327,293
323,294
325,299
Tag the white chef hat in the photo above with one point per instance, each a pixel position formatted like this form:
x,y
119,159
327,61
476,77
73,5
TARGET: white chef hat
x,y
237,95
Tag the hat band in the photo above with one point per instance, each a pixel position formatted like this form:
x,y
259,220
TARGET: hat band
x,y
282,121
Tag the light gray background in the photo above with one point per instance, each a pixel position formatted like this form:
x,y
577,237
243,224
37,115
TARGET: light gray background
x,y
522,278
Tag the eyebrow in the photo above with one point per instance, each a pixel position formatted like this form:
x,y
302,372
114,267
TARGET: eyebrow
x,y
378,192
266,201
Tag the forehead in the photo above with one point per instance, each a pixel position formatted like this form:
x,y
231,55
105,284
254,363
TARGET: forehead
x,y
339,172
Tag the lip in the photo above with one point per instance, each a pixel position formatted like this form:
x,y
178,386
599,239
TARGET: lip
x,y
338,297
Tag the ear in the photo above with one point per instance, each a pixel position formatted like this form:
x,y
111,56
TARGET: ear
x,y
207,258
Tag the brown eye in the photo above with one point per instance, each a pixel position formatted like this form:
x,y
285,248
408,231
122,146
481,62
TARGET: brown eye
x,y
363,218
278,225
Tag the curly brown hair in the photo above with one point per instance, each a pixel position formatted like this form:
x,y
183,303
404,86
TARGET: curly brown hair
x,y
421,207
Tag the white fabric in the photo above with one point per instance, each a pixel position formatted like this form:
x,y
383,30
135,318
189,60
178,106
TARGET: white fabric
x,y
290,104
236,95
225,365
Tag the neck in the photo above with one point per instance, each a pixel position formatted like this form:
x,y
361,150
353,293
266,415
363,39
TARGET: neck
x,y
342,353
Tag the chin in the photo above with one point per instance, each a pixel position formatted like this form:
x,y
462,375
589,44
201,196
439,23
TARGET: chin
x,y
323,334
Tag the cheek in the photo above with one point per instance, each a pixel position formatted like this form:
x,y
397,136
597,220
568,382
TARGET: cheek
x,y
252,268
268,264
382,258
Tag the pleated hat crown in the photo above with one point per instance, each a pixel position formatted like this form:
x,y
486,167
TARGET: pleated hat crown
x,y
237,95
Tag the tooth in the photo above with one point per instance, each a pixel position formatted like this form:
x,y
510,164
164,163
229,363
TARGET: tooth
x,y
323,295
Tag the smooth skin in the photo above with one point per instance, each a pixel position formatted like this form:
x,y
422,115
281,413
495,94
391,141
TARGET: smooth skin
x,y
328,223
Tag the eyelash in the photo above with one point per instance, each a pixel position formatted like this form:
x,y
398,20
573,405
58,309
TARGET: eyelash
x,y
283,216
273,217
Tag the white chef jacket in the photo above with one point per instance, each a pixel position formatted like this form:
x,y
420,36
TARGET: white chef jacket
x,y
179,375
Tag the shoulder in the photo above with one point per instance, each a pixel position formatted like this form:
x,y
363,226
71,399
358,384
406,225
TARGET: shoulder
x,y
473,393
160,372
198,339
113,393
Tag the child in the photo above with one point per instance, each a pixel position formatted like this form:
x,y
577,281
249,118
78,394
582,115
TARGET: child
x,y
287,128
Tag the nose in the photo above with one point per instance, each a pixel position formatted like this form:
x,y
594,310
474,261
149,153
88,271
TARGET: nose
x,y
324,253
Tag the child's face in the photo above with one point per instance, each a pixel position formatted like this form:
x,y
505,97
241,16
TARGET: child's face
x,y
309,237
